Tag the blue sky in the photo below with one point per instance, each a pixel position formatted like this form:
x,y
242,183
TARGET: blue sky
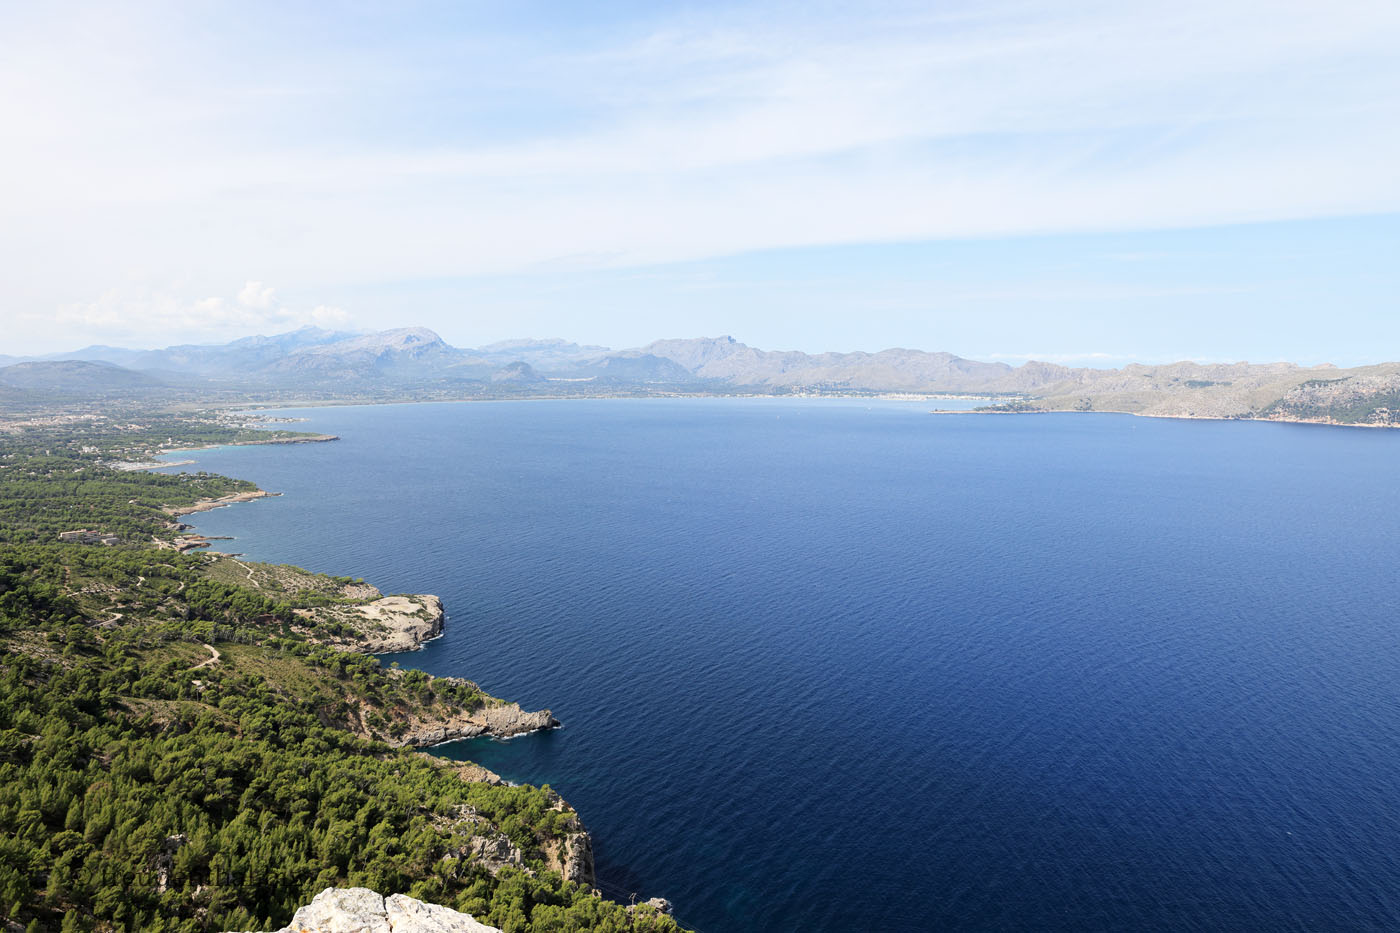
x,y
1074,181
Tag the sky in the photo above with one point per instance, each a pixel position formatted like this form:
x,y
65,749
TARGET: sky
x,y
1081,182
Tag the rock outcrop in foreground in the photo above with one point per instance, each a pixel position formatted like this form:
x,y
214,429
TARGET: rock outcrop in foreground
x,y
360,910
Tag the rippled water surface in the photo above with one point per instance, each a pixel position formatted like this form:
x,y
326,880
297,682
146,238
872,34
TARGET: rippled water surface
x,y
836,665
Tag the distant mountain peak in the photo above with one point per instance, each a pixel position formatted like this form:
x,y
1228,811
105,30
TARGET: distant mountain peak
x,y
400,338
422,334
697,352
410,359
403,336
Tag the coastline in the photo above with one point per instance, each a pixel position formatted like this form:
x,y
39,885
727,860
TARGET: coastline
x,y
1317,422
852,396
394,624
208,505
258,408
302,439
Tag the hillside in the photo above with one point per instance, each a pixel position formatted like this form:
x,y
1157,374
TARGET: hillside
x,y
1276,392
77,377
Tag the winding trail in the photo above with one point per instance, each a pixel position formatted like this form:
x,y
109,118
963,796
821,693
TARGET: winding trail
x,y
249,571
210,661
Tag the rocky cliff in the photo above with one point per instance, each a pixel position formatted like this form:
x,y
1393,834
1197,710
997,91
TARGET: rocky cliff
x,y
497,718
382,626
360,910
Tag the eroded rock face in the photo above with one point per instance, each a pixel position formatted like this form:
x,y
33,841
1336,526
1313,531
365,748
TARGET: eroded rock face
x,y
407,622
495,852
360,910
381,626
578,859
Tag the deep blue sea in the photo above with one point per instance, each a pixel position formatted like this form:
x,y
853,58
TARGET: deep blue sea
x,y
846,665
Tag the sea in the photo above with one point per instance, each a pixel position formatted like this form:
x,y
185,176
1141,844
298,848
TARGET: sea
x,y
848,664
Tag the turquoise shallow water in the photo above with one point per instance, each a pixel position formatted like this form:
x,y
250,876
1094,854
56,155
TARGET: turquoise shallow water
x,y
834,665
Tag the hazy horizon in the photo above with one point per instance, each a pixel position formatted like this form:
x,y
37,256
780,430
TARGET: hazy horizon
x,y
602,349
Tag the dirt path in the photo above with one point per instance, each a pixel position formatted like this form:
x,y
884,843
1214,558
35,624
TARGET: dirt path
x,y
249,571
210,661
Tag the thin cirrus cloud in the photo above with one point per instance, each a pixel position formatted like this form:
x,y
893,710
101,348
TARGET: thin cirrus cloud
x,y
150,144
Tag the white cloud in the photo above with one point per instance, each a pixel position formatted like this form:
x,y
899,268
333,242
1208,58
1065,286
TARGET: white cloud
x,y
256,295
140,316
132,150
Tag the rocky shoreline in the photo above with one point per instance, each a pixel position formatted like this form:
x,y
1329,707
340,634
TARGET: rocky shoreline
x,y
206,505
498,719
392,625
396,624
296,439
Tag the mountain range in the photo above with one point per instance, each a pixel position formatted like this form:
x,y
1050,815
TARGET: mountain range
x,y
416,362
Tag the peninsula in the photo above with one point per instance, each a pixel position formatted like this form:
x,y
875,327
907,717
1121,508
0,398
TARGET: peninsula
x,y
191,741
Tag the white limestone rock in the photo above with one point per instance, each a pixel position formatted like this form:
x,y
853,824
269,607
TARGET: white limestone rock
x,y
407,915
360,910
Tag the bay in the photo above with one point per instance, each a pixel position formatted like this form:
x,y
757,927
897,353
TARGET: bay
x,y
843,664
